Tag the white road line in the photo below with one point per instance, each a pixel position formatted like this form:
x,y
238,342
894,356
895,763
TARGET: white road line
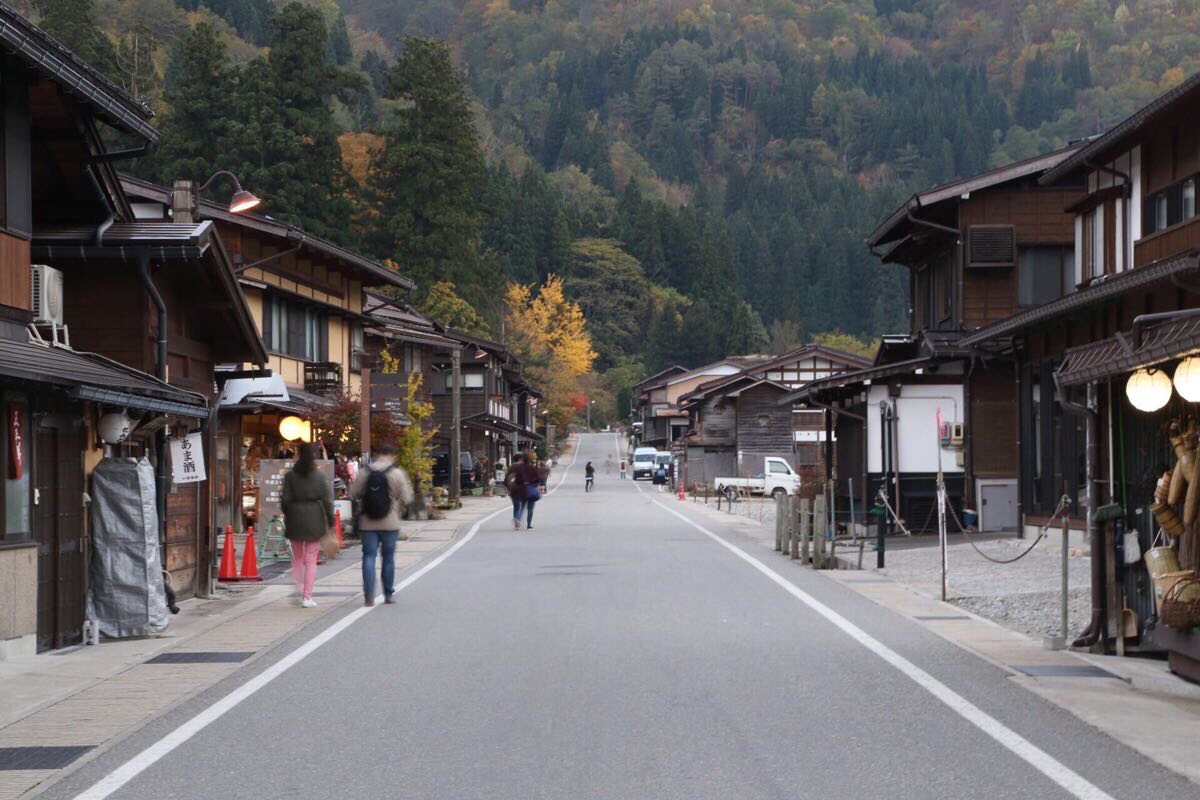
x,y
145,759
1042,761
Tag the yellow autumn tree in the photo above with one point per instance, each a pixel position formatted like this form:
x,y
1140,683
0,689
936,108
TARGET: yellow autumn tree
x,y
548,333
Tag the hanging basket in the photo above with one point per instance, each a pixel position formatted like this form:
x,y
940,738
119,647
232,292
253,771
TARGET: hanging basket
x,y
1181,604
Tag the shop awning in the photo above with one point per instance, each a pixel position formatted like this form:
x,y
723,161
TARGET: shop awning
x,y
1121,354
87,376
297,402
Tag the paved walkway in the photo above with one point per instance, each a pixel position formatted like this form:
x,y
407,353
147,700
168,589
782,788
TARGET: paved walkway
x,y
1136,701
64,707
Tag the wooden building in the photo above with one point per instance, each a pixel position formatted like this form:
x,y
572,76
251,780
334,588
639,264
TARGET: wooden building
x,y
977,251
307,297
57,178
737,420
1130,309
658,419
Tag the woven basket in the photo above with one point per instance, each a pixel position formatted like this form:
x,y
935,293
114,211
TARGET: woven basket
x,y
1181,604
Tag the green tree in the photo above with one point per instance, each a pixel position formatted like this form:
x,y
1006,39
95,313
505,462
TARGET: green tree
x,y
427,182
196,128
610,287
72,23
444,305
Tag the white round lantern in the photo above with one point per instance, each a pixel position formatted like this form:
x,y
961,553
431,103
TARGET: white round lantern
x,y
1148,389
1187,379
114,428
293,428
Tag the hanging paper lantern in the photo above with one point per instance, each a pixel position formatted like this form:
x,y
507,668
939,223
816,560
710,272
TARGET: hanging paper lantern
x,y
1148,389
293,428
1187,379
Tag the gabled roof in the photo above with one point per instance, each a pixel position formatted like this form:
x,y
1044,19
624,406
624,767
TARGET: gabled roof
x,y
45,55
375,274
856,377
164,242
1098,148
396,319
738,363
890,229
659,377
731,387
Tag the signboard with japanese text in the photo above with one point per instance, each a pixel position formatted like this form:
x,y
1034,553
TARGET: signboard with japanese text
x,y
187,458
270,484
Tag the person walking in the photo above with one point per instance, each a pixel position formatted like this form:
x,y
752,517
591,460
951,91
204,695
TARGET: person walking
x,y
383,489
307,505
543,473
530,487
622,469
589,475
516,490
660,476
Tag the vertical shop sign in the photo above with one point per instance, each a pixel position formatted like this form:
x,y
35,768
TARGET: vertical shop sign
x,y
187,458
16,443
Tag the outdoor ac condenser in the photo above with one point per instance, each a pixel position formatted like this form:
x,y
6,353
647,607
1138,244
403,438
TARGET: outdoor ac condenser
x,y
47,295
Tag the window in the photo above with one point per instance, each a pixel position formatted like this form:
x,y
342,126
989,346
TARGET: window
x,y
1093,243
1044,274
295,329
412,358
778,468
1170,206
472,381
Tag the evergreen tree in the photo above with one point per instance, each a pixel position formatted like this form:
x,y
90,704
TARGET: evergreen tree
x,y
72,23
427,182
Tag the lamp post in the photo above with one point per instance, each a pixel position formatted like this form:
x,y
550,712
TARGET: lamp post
x,y
185,197
591,403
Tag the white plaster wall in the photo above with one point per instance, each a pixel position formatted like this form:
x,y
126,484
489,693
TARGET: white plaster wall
x,y
918,443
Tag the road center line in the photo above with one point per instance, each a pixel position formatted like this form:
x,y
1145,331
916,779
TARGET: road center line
x,y
1043,762
152,754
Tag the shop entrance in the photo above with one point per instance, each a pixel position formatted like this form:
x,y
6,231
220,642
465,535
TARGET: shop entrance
x,y
58,529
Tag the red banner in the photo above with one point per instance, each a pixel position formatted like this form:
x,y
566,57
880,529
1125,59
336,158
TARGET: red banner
x,y
16,443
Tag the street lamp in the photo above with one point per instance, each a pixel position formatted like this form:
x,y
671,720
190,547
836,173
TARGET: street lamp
x,y
185,197
589,414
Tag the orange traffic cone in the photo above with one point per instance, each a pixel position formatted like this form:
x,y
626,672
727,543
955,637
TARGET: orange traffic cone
x,y
228,558
681,497
337,526
250,559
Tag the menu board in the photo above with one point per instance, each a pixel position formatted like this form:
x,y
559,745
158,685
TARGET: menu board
x,y
270,484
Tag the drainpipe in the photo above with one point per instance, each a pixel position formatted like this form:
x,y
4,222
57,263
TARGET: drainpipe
x,y
1095,539
160,372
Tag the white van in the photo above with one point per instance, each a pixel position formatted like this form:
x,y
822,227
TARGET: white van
x,y
643,462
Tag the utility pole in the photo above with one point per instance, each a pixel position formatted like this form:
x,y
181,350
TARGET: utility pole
x,y
455,423
364,418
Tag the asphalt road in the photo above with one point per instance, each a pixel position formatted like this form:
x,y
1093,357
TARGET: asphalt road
x,y
614,652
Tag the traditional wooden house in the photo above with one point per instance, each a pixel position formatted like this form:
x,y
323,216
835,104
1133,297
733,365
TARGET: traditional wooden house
x,y
659,421
306,296
1104,370
737,420
977,251
63,205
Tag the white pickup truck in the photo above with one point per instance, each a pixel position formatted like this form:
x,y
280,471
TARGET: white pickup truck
x,y
777,478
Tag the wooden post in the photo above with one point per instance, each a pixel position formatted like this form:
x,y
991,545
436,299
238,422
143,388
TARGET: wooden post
x,y
364,420
801,551
819,530
455,424
781,504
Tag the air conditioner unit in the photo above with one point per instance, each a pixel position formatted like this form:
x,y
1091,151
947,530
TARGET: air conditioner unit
x,y
47,295
991,246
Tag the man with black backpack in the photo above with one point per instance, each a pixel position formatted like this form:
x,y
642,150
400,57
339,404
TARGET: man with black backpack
x,y
382,490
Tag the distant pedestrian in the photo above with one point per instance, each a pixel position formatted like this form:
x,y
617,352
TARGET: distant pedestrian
x,y
622,469
307,504
543,473
382,489
530,488
660,476
516,489
608,464
589,475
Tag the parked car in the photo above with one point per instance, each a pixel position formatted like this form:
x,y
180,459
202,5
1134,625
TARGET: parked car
x,y
777,478
644,462
441,469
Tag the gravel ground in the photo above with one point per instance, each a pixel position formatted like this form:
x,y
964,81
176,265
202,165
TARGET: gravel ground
x,y
1023,595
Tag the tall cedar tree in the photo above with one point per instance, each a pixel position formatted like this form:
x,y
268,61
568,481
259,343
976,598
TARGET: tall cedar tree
x,y
427,182
196,128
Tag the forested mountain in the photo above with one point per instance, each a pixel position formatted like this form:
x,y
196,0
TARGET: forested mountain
x,y
701,173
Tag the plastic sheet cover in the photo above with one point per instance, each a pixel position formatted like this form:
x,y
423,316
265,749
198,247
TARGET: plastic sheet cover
x,y
125,590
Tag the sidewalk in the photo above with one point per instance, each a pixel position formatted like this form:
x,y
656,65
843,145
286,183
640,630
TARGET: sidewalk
x,y
58,709
1136,701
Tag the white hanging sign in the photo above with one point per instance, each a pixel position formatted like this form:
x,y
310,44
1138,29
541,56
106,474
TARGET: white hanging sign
x,y
187,458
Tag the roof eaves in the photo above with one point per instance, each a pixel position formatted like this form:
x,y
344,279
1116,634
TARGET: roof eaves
x,y
1097,147
63,66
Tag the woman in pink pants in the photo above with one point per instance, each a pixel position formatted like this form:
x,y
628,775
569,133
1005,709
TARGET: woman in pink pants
x,y
307,504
